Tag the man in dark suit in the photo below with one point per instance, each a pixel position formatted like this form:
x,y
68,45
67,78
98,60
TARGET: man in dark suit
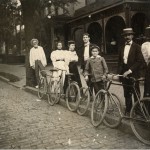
x,y
84,51
130,60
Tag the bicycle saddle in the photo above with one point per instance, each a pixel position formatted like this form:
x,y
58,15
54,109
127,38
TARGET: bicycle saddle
x,y
54,69
69,74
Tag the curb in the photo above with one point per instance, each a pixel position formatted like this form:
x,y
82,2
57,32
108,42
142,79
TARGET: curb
x,y
8,81
124,126
4,79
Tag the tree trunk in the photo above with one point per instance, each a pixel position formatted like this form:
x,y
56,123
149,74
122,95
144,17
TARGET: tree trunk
x,y
28,9
29,34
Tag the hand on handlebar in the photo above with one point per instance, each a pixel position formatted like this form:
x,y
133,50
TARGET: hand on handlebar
x,y
127,73
104,77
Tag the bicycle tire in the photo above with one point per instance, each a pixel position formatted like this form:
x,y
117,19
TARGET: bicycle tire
x,y
84,101
140,124
99,105
51,93
41,88
72,96
113,115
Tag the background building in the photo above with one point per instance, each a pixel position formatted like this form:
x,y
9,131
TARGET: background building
x,y
104,21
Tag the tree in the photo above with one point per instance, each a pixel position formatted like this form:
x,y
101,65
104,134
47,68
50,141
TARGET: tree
x,y
7,15
31,12
30,9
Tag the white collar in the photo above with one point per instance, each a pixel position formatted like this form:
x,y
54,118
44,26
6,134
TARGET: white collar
x,y
86,44
98,56
36,47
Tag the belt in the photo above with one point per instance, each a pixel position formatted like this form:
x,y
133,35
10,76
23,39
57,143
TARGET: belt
x,y
60,60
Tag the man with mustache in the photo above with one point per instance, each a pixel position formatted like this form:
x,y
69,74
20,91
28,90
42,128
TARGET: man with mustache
x,y
130,60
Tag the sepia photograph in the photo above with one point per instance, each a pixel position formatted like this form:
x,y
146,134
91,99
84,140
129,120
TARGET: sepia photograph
x,y
74,74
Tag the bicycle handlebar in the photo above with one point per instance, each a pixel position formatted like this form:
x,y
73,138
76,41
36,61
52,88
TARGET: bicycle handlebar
x,y
54,69
132,78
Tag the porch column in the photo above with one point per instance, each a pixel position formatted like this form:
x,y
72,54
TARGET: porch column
x,y
127,10
103,34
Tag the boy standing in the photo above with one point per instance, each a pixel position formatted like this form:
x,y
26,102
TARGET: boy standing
x,y
97,68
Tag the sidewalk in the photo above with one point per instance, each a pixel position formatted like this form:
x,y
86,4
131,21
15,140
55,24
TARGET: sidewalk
x,y
19,71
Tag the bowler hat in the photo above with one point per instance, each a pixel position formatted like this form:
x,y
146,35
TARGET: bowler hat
x,y
127,31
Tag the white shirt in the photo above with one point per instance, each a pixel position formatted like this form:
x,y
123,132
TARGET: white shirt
x,y
60,60
86,51
73,56
146,51
126,52
37,54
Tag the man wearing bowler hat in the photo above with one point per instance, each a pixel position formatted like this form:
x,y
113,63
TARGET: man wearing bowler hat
x,y
130,60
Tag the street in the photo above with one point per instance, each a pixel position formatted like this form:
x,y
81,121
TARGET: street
x,y
27,122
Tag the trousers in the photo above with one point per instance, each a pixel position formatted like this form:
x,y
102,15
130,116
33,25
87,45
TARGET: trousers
x,y
128,92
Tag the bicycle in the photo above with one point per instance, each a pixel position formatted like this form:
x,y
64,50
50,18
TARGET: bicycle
x,y
86,96
72,93
45,87
139,115
112,111
99,107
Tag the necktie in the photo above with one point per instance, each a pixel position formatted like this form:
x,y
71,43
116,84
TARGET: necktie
x,y
127,44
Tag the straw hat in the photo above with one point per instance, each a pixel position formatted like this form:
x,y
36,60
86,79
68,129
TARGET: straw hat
x,y
36,40
127,31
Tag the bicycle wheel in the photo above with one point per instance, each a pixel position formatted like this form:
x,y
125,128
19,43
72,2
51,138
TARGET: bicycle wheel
x,y
113,114
41,87
99,108
140,120
73,96
52,93
58,92
84,101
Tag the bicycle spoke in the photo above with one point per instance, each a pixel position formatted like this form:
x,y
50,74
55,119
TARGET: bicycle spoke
x,y
140,122
113,113
99,107
72,96
84,101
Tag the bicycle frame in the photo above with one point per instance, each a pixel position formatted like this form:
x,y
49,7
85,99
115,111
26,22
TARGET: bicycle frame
x,y
110,82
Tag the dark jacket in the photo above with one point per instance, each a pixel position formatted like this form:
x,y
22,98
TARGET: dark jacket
x,y
135,60
80,53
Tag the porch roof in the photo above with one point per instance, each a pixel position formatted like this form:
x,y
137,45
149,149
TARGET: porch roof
x,y
100,6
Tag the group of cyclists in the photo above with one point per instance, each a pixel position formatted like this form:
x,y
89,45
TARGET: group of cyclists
x,y
132,60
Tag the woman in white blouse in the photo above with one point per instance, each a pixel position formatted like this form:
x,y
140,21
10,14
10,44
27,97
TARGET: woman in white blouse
x,y
60,61
73,61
